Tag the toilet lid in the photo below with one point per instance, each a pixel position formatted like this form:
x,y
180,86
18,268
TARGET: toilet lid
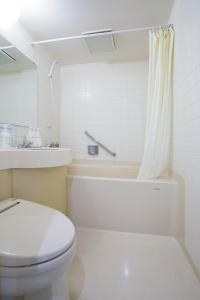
x,y
31,233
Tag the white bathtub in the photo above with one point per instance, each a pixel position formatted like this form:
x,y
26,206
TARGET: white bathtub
x,y
106,196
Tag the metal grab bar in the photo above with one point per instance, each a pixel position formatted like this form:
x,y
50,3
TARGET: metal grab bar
x,y
100,144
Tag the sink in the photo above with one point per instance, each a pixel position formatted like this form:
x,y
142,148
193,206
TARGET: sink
x,y
14,158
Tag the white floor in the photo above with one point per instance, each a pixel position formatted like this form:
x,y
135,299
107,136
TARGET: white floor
x,y
126,266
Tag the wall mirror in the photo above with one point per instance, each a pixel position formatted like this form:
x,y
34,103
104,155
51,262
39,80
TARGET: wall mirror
x,y
18,87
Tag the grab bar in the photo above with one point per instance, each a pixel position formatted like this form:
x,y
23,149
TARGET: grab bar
x,y
100,144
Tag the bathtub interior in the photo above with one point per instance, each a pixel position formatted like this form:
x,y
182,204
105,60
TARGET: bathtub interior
x,y
113,169
97,168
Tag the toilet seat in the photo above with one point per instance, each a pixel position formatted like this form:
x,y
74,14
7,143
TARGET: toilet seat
x,y
44,267
25,244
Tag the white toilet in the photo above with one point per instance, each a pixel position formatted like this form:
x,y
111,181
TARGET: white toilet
x,y
37,245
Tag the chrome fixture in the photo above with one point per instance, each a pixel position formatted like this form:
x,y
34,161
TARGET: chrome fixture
x,y
54,63
54,145
99,144
93,150
25,145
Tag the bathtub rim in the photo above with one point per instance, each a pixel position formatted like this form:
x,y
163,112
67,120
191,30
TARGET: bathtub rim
x,y
122,179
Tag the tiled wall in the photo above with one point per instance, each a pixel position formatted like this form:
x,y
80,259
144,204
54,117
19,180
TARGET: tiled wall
x,y
109,101
186,131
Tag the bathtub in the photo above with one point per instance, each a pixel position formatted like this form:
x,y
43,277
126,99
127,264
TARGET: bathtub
x,y
107,195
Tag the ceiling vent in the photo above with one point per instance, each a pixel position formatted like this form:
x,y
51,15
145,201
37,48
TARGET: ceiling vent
x,y
6,58
100,41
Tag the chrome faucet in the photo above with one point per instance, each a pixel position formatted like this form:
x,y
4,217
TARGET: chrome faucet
x,y
25,145
54,145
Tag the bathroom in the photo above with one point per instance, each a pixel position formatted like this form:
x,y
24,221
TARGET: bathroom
x,y
99,157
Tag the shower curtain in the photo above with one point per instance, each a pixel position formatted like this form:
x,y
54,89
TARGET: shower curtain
x,y
159,104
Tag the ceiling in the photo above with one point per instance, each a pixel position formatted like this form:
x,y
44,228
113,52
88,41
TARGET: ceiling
x,y
47,19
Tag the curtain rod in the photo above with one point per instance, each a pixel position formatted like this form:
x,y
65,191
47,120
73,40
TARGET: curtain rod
x,y
82,36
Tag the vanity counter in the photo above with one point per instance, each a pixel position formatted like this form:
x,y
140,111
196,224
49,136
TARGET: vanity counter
x,y
14,158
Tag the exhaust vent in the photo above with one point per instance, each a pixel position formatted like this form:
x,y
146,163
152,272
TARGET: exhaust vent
x,y
6,58
100,41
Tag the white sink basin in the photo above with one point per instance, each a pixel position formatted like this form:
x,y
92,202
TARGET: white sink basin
x,y
14,158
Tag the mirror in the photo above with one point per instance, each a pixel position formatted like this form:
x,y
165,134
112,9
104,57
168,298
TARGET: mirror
x,y
18,87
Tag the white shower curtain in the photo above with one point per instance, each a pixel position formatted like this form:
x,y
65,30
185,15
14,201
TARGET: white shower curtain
x,y
159,104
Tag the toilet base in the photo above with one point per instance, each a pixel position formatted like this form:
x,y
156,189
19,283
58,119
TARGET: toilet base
x,y
57,291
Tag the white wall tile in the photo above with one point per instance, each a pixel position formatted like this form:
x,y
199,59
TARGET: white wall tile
x,y
108,100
